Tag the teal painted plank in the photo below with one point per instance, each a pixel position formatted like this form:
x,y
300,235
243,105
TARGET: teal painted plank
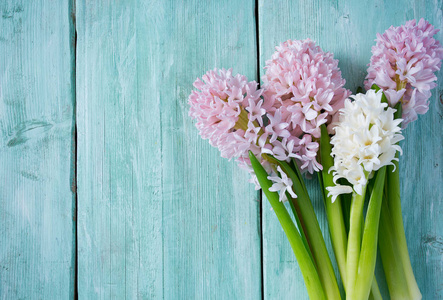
x,y
161,215
37,234
348,29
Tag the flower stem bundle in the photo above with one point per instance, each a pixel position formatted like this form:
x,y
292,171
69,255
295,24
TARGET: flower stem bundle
x,y
303,121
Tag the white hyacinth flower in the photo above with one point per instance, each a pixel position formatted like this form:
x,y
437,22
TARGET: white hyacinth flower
x,y
281,184
365,140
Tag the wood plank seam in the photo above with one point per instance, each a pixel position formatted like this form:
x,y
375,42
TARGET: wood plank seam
x,y
257,48
73,32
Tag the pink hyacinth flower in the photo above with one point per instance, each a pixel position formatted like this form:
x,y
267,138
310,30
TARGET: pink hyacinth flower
x,y
303,90
403,64
228,111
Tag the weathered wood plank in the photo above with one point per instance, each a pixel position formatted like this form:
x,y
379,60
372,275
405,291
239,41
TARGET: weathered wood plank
x,y
37,232
161,215
348,29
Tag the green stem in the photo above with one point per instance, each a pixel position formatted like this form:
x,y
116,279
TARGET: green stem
x,y
394,204
396,219
346,200
368,251
298,172
310,275
392,265
297,215
334,213
300,225
337,230
354,242
313,232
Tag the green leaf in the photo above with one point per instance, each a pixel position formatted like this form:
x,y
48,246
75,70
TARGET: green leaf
x,y
375,87
368,252
296,212
384,99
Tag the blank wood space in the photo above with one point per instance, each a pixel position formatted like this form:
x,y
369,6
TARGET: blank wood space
x,y
37,232
161,214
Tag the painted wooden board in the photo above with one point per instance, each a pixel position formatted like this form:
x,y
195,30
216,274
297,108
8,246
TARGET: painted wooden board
x,y
160,215
37,231
348,29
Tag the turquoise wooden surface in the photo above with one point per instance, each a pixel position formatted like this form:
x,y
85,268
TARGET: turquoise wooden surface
x,y
159,214
37,237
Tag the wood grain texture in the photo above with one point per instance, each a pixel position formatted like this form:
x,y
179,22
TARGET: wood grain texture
x,y
348,28
161,214
37,236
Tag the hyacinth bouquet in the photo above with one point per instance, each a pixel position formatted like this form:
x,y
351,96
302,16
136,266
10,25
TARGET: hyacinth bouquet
x,y
303,121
